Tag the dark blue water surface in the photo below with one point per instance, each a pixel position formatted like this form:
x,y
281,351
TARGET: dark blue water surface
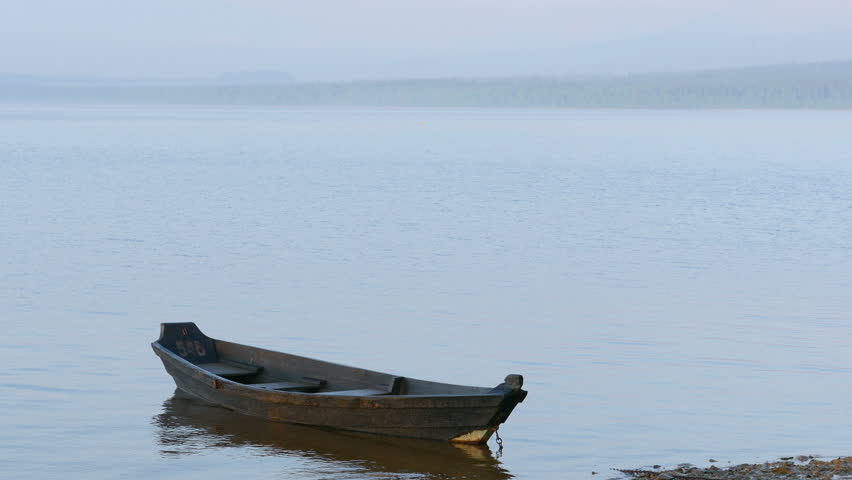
x,y
674,286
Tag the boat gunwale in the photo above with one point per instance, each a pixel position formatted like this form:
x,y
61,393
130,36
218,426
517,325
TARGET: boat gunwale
x,y
335,399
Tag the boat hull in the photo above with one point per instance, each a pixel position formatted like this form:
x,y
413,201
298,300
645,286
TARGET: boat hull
x,y
455,418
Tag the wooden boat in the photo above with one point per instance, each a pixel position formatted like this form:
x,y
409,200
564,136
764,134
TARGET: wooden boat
x,y
289,388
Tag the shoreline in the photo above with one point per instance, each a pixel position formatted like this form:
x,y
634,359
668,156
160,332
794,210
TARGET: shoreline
x,y
799,467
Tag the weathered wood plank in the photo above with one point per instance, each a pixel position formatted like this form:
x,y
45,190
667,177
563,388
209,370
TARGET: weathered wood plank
x,y
356,393
286,386
229,369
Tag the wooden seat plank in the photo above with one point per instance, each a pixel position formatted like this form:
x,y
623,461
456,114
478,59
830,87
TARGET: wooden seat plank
x,y
286,386
356,393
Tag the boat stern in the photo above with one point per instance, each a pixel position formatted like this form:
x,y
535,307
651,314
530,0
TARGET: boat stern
x,y
513,394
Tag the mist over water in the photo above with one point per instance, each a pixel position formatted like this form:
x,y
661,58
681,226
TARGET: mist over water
x,y
337,40
674,286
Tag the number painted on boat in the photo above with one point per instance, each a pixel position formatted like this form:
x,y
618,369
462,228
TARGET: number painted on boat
x,y
190,347
181,348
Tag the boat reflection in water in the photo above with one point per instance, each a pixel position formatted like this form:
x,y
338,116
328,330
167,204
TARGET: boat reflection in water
x,y
189,425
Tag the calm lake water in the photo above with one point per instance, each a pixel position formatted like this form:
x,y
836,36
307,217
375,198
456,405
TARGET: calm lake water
x,y
674,286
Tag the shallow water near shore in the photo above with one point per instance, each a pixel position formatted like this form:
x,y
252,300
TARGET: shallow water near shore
x,y
674,286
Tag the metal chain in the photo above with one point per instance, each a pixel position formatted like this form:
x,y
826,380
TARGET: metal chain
x,y
499,443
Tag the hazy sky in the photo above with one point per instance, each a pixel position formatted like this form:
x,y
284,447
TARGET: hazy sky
x,y
356,39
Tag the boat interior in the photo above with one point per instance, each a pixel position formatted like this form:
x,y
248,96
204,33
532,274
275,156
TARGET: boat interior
x,y
282,372
266,378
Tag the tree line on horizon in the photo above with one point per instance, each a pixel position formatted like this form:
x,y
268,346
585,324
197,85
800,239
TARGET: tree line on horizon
x,y
824,86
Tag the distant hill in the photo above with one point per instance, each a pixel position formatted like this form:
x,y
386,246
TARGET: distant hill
x,y
808,85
